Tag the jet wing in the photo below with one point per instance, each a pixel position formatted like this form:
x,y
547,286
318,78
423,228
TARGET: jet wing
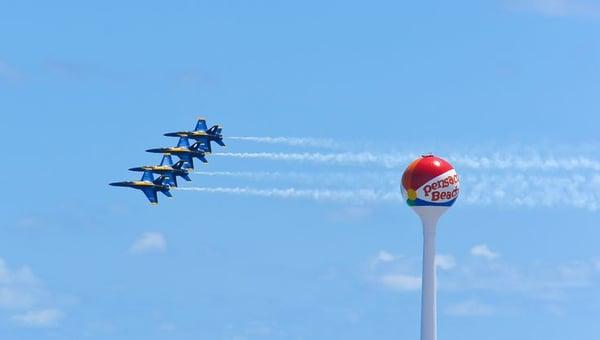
x,y
151,194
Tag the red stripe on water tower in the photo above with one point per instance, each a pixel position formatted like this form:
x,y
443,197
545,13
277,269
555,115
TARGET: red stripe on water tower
x,y
422,170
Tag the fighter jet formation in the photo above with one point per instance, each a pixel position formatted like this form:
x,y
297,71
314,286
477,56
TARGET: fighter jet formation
x,y
167,171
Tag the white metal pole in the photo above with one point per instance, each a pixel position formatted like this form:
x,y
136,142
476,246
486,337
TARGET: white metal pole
x,y
428,298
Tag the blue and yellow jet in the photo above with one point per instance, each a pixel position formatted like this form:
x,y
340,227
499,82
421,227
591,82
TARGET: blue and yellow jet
x,y
185,152
148,185
167,169
202,135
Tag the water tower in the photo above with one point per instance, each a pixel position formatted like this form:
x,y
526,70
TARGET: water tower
x,y
430,187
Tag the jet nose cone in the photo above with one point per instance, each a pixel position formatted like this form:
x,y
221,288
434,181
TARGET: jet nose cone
x,y
136,169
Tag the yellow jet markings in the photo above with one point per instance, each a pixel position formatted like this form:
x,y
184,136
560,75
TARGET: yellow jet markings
x,y
159,167
143,183
192,133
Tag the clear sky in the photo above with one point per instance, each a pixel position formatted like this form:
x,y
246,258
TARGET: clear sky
x,y
506,90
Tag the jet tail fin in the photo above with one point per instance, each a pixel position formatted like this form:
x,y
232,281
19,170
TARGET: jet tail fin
x,y
203,144
214,130
179,165
198,147
166,192
171,180
160,180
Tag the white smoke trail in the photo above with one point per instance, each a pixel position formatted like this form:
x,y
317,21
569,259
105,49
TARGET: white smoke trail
x,y
518,190
257,174
361,195
535,162
575,190
495,162
293,141
325,178
249,174
317,157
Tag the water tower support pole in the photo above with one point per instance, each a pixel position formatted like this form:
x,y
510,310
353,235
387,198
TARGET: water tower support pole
x,y
428,298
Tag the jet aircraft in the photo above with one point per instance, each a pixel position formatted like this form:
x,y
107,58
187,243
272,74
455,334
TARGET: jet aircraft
x,y
185,152
202,135
167,169
148,185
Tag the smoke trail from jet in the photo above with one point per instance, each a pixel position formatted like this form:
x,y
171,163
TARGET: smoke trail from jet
x,y
257,174
495,162
293,141
317,157
576,190
536,162
518,190
324,178
357,196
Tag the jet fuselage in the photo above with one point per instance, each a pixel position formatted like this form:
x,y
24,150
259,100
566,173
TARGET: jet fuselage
x,y
178,151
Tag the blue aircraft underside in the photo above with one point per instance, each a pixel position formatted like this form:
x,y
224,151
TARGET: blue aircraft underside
x,y
151,194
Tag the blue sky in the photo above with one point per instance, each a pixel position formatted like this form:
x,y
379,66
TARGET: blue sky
x,y
300,241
